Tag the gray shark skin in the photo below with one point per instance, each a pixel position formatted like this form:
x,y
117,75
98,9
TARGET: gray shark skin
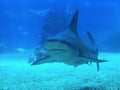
x,y
71,36
68,48
61,52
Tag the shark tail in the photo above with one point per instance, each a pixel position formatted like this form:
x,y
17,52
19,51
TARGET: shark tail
x,y
99,61
91,38
88,59
98,66
95,49
96,60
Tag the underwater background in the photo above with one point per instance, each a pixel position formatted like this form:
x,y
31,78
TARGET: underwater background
x,y
24,24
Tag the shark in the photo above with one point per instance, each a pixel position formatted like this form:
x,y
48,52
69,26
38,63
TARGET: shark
x,y
67,47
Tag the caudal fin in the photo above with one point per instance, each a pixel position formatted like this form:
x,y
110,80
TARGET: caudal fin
x,y
88,59
91,38
94,48
99,61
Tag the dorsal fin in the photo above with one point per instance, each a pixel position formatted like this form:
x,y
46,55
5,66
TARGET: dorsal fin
x,y
74,21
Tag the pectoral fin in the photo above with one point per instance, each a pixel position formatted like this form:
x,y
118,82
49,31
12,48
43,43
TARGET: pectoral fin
x,y
44,60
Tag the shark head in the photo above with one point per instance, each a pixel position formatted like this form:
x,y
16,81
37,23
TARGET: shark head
x,y
67,47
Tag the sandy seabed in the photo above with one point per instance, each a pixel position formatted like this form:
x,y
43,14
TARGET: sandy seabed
x,y
17,74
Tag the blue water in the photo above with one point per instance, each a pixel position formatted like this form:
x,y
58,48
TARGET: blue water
x,y
21,21
25,24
